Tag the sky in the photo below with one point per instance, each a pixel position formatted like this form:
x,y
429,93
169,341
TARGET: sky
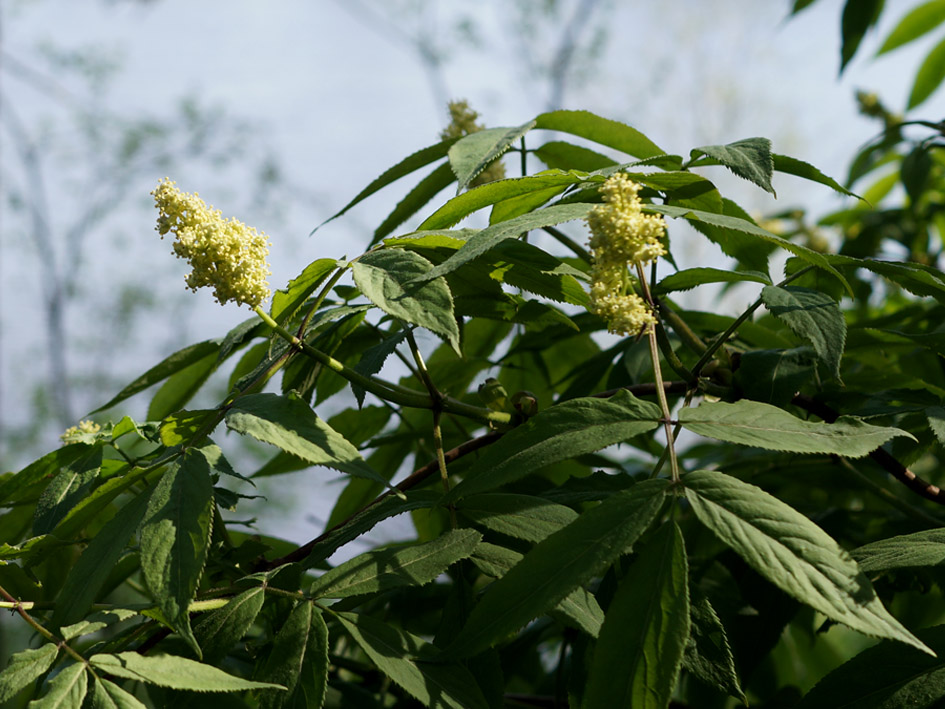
x,y
334,92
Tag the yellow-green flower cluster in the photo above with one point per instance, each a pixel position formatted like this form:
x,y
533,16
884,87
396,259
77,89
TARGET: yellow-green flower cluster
x,y
86,426
462,123
224,253
621,235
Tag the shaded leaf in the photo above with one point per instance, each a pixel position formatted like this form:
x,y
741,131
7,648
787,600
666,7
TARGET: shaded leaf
x,y
108,695
603,131
24,668
174,672
472,153
692,277
287,300
926,548
219,631
65,490
283,662
858,16
521,516
799,168
774,376
709,655
812,315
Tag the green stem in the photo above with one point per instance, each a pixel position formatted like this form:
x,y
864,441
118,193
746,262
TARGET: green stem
x,y
680,327
320,298
567,241
19,607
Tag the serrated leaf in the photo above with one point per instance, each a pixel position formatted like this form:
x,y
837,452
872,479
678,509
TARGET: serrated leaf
x,y
67,487
283,662
399,283
491,193
383,569
89,573
181,386
174,672
603,131
692,277
926,548
560,155
490,237
219,631
750,159
314,677
709,655
525,266
66,690
774,376
472,153
812,315
886,676
159,372
175,537
743,226
858,16
920,20
936,418
24,667
567,559
564,431
421,194
290,424
753,423
929,77
373,360
521,516
108,695
641,644
97,621
286,301
393,651
42,468
791,552
799,168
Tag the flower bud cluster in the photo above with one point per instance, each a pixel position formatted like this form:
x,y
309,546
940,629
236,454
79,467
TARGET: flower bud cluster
x,y
75,432
621,234
224,253
462,123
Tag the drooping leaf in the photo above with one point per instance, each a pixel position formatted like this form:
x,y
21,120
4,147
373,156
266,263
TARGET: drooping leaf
x,y
175,537
108,695
219,631
603,131
564,431
290,424
25,667
159,372
521,516
41,469
926,548
174,672
383,569
313,681
97,621
692,277
858,16
812,315
920,20
886,676
929,77
567,559
287,300
88,575
749,159
640,648
425,190
66,690
399,283
752,423
448,685
472,153
791,552
799,168
709,655
67,487
283,662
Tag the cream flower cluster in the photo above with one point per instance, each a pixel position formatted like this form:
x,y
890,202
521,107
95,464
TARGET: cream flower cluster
x,y
224,253
463,122
621,234
86,426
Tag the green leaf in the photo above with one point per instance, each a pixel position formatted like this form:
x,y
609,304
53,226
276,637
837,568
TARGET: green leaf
x,y
490,237
709,655
41,469
108,695
494,192
175,536
393,651
66,690
391,279
749,159
174,672
471,154
98,620
283,662
88,575
383,569
774,376
579,609
25,667
67,488
936,418
746,227
314,677
812,315
181,386
409,164
525,266
567,559
915,23
521,516
564,431
692,277
600,130
286,301
171,365
219,631
290,424
421,194
373,360
929,77
560,155
791,552
641,644
926,548
858,16
752,423
799,168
